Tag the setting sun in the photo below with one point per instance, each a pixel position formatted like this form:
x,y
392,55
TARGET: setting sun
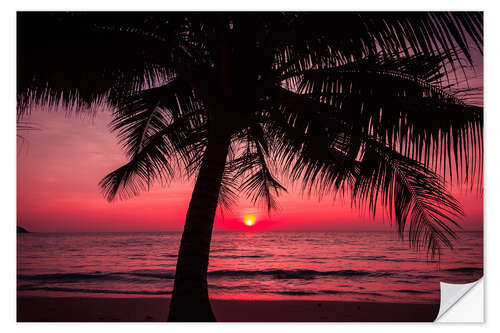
x,y
249,220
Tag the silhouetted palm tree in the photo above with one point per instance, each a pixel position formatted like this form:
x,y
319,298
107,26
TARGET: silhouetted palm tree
x,y
347,102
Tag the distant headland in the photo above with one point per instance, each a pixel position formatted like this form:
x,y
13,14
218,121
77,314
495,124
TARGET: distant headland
x,y
21,230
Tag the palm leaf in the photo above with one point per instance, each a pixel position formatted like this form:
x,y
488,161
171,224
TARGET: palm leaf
x,y
339,101
79,60
395,101
327,156
250,169
414,196
143,114
157,160
333,39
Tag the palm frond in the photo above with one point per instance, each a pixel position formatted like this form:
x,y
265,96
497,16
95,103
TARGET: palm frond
x,y
305,41
394,101
250,169
414,196
327,156
228,193
64,58
21,128
152,163
157,160
308,143
341,102
149,111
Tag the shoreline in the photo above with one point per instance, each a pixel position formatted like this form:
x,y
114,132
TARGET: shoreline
x,y
155,309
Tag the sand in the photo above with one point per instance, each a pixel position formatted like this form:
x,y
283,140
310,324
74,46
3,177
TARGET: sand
x,y
80,309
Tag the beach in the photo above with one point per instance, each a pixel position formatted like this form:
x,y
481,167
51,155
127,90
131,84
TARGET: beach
x,y
254,277
155,309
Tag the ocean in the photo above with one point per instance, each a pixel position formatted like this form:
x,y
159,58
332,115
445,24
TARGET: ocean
x,y
344,266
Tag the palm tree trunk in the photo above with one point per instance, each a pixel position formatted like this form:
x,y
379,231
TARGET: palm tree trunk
x,y
190,295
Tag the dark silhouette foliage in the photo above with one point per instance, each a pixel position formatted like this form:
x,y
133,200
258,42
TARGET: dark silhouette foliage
x,y
358,103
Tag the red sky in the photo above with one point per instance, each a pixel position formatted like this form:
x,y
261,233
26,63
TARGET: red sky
x,y
60,165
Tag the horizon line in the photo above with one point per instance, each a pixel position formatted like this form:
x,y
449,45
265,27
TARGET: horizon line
x,y
245,230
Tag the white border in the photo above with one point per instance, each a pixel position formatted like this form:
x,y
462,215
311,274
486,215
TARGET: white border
x,y
8,188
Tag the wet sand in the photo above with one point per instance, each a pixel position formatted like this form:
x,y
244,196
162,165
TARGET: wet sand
x,y
90,309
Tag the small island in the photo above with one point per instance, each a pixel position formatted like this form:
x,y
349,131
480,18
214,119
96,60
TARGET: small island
x,y
21,230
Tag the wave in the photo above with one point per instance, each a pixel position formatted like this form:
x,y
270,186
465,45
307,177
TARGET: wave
x,y
152,273
235,256
411,291
465,270
304,274
296,293
426,276
323,292
163,292
80,277
169,255
95,291
66,277
222,287
383,258
332,292
288,274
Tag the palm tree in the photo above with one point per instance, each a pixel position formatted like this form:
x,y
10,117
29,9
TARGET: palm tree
x,y
354,103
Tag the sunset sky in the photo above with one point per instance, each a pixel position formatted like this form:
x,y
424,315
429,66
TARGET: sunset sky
x,y
60,165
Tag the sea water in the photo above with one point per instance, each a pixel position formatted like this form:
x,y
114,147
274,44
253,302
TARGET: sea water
x,y
349,266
